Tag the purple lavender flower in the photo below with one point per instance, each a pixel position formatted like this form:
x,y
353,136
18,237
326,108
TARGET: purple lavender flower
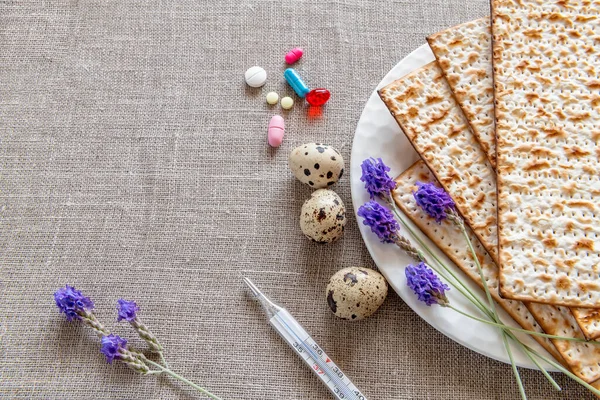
x,y
426,284
127,310
111,347
375,176
72,302
433,200
380,220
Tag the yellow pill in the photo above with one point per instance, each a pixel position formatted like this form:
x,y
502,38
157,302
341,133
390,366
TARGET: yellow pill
x,y
272,98
287,103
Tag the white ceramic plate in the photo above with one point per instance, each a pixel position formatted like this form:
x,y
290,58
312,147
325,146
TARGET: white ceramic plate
x,y
378,135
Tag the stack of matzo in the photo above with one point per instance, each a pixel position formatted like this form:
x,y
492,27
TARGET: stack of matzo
x,y
547,123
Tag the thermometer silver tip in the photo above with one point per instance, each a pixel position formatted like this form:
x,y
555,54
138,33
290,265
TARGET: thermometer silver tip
x,y
252,287
266,303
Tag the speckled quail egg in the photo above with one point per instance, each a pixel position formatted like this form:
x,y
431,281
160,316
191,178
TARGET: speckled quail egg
x,y
316,165
323,216
355,293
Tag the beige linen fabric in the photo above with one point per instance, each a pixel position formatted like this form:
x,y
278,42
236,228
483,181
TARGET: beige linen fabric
x,y
133,163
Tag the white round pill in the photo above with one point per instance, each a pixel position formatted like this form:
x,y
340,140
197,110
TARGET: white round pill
x,y
272,98
256,76
287,103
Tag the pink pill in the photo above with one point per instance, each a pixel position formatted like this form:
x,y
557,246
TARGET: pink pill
x,y
276,131
293,55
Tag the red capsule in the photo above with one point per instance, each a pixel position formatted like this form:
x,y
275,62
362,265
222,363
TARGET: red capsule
x,y
318,97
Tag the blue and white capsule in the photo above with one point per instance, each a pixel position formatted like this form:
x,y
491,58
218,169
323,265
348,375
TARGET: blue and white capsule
x,y
295,81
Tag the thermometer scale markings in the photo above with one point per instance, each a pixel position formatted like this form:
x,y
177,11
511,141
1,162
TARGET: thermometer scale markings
x,y
312,353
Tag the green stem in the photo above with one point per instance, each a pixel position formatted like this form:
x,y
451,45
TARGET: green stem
x,y
162,358
564,371
536,362
184,380
517,329
514,367
461,225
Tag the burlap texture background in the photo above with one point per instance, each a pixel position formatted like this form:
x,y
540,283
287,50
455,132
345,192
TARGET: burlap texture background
x,y
133,163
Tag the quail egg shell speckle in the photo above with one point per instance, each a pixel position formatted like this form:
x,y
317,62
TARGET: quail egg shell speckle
x,y
355,293
323,216
316,165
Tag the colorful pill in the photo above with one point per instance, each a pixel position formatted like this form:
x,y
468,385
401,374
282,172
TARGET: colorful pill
x,y
318,97
294,80
276,131
293,55
287,103
272,98
255,76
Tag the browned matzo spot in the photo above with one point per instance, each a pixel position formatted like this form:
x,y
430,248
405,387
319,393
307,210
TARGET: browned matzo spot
x,y
408,94
544,80
545,278
531,97
444,63
569,226
589,169
580,203
542,113
563,283
580,117
561,115
584,18
564,4
455,130
536,165
474,180
540,261
550,242
569,188
533,33
436,118
479,200
554,132
594,84
584,244
453,79
575,151
478,73
455,42
433,99
540,151
440,140
511,218
413,112
571,262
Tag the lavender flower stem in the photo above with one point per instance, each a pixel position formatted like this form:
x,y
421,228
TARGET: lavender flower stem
x,y
533,359
510,328
461,225
514,366
184,380
458,221
564,371
90,319
162,358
